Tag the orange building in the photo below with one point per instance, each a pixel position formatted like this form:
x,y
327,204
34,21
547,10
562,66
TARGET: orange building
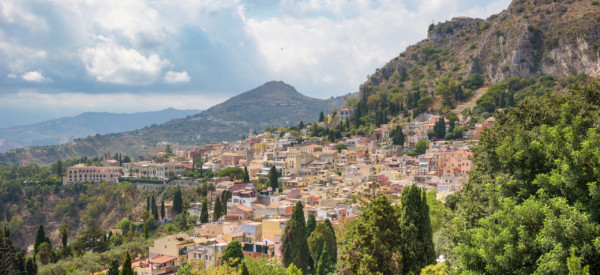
x,y
455,162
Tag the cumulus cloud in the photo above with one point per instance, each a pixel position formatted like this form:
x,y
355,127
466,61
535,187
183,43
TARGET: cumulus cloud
x,y
35,76
175,77
112,63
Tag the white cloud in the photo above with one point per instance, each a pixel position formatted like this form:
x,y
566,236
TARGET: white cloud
x,y
175,77
35,76
329,47
11,76
20,58
118,102
112,63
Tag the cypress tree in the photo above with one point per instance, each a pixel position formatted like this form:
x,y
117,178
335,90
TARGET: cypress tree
x,y
40,237
148,205
294,248
31,267
321,117
224,199
333,252
417,238
59,168
113,268
204,212
311,224
398,137
177,201
154,209
246,175
273,178
244,268
451,125
217,210
325,264
127,269
162,209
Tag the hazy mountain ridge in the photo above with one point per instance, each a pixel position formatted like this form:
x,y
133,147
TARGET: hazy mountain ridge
x,y
273,104
63,130
529,38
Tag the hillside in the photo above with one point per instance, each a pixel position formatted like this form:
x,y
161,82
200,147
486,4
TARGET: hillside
x,y
529,38
63,130
272,104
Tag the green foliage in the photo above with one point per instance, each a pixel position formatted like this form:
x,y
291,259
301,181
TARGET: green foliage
x,y
532,195
398,136
246,175
127,269
233,173
177,201
233,254
217,209
320,241
294,248
204,212
273,178
439,128
372,243
474,81
438,269
40,237
417,237
420,147
113,267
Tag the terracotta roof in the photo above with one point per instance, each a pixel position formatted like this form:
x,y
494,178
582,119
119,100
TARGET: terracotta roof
x,y
162,259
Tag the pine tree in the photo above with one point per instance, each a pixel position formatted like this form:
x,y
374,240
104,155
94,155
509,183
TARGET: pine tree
x,y
40,237
162,208
217,210
321,117
273,178
127,269
294,248
113,268
177,201
246,175
204,212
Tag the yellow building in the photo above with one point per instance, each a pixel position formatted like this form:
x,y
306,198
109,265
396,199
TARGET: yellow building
x,y
173,245
272,229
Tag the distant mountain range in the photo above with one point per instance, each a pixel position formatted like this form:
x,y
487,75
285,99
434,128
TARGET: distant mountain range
x,y
273,104
63,130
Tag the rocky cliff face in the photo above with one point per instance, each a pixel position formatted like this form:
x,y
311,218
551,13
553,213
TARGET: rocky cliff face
x,y
529,38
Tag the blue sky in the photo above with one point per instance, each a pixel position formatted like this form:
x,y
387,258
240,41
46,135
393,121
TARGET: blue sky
x,y
65,57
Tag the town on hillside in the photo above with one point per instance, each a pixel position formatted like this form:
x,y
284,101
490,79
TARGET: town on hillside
x,y
332,180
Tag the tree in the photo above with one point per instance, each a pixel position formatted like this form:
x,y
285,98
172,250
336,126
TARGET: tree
x,y
332,252
225,196
113,268
59,168
217,209
294,248
40,237
162,208
311,224
44,251
421,147
321,117
31,267
233,254
325,264
398,136
372,244
273,178
415,225
322,240
233,173
127,269
148,204
246,175
244,270
439,129
154,208
204,212
64,232
177,201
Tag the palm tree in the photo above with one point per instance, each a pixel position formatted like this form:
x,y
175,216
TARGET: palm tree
x,y
44,251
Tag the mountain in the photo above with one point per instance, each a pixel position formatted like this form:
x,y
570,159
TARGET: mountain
x,y
63,130
273,104
529,38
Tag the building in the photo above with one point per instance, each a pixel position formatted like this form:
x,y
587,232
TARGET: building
x,y
345,113
455,163
173,245
157,171
94,174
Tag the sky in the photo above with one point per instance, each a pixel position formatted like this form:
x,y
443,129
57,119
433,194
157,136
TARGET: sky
x,y
64,57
